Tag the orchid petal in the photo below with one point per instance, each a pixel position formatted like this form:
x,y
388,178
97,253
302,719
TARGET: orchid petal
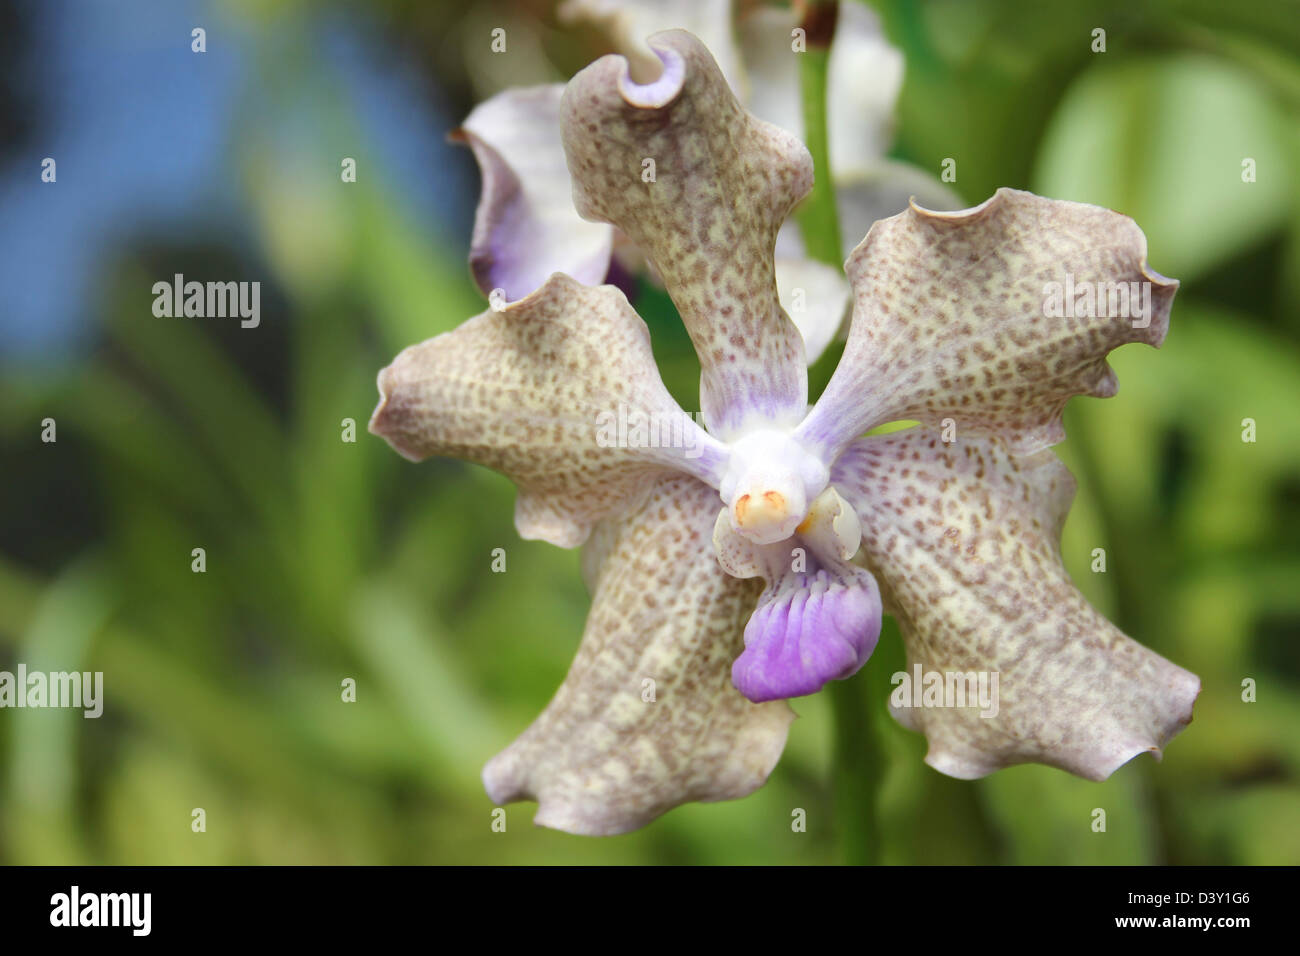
x,y
525,227
965,539
705,214
537,390
953,319
808,629
606,756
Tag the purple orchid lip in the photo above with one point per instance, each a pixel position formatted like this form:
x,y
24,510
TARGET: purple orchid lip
x,y
819,617
660,92
802,636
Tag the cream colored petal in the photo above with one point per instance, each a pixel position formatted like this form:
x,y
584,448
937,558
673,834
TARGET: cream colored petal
x,y
550,391
701,187
964,539
629,23
525,227
816,297
969,316
666,622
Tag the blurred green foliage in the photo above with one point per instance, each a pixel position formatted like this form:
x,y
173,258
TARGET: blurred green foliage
x,y
328,560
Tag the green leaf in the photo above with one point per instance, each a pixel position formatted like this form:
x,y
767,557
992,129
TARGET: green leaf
x,y
1163,139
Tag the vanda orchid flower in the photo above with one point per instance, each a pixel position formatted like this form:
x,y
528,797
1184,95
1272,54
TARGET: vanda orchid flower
x,y
959,539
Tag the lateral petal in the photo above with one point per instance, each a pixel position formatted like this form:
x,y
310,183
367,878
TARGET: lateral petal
x,y
980,316
559,392
965,539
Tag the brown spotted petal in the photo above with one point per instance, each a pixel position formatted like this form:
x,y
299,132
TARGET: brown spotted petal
x,y
647,717
559,392
525,227
701,187
983,316
964,539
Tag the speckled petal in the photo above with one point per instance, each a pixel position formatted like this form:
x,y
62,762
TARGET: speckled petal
x,y
723,182
964,539
526,227
647,717
955,316
559,392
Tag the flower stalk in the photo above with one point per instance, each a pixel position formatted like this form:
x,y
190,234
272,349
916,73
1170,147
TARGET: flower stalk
x,y
817,215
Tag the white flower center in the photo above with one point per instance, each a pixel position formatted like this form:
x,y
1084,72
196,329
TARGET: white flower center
x,y
769,481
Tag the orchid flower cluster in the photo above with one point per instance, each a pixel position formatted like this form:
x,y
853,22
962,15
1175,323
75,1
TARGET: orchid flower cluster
x,y
751,562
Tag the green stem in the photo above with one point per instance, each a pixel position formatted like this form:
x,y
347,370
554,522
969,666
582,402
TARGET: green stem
x,y
859,757
819,222
856,773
